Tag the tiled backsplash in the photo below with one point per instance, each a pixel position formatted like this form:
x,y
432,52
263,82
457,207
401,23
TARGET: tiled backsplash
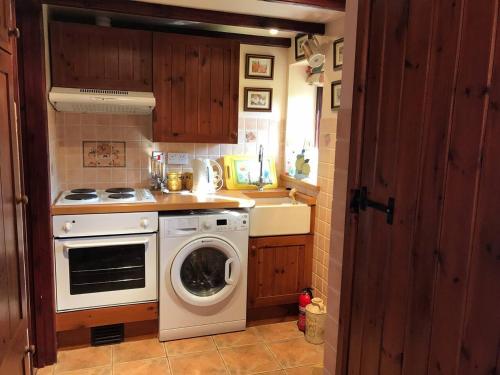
x,y
72,129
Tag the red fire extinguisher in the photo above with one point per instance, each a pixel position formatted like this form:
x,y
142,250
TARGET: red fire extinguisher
x,y
304,300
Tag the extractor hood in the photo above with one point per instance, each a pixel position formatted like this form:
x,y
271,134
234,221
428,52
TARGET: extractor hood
x,y
101,101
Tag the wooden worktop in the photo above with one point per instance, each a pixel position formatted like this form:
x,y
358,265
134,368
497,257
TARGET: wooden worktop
x,y
164,202
182,201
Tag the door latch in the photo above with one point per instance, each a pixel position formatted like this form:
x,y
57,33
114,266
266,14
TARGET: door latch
x,y
360,201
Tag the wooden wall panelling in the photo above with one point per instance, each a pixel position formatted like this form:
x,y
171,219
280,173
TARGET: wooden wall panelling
x,y
381,181
446,19
413,85
423,307
362,254
33,120
350,251
461,179
100,57
479,349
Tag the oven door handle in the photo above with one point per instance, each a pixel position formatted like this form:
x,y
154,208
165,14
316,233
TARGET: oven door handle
x,y
84,245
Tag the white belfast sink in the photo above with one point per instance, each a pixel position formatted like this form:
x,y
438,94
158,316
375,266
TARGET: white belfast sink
x,y
279,216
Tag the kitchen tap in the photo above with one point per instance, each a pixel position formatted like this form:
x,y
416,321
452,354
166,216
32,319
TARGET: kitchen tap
x,y
260,183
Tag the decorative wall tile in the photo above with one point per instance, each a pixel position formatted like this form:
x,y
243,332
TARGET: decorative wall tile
x,y
100,154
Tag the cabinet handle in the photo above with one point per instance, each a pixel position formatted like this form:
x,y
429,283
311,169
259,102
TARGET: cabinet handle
x,y
29,349
23,199
14,32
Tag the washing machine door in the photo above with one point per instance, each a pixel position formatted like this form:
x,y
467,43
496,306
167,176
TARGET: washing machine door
x,y
205,271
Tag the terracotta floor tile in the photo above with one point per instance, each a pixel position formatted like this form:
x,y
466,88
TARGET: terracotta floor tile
x,y
305,370
279,331
249,359
248,337
186,346
136,350
297,352
83,358
47,370
155,366
104,370
205,363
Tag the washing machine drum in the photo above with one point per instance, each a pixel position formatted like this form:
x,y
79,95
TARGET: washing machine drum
x,y
205,272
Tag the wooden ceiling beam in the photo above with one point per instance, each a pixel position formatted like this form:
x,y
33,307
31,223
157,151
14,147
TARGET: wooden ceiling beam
x,y
338,5
242,38
191,14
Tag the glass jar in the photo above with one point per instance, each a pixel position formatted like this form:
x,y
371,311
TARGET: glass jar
x,y
187,181
174,181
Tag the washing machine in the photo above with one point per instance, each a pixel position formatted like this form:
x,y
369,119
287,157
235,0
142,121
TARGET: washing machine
x,y
203,273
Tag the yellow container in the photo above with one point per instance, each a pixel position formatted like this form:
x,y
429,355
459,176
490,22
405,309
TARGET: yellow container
x,y
174,181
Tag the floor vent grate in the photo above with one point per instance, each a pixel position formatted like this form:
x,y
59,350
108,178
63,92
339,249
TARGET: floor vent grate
x,y
104,335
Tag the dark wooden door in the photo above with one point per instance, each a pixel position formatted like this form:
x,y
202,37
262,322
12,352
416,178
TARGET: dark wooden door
x,y
13,298
88,56
423,295
278,269
196,89
6,25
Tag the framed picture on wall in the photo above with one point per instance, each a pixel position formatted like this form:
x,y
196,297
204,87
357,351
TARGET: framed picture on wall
x,y
338,53
336,90
299,42
259,66
257,99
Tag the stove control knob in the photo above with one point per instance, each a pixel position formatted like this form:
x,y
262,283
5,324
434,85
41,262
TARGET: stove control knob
x,y
144,223
207,225
67,226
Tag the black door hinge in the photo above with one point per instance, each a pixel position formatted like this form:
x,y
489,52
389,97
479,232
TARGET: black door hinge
x,y
360,201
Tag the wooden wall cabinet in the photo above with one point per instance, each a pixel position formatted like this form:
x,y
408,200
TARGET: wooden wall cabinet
x,y
196,85
279,268
98,57
6,25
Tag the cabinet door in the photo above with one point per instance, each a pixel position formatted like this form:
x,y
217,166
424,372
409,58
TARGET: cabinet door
x,y
278,268
100,57
14,357
196,89
6,24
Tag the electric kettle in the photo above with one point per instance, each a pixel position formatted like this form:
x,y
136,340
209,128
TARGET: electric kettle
x,y
207,176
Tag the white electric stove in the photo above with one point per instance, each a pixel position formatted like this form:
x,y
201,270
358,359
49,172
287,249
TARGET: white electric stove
x,y
86,196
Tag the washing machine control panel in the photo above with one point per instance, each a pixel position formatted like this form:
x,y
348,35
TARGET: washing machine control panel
x,y
224,222
206,223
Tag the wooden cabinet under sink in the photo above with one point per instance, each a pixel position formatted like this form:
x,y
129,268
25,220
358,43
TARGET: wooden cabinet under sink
x,y
279,267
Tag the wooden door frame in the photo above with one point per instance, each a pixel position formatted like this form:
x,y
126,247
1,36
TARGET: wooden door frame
x,y
353,179
34,129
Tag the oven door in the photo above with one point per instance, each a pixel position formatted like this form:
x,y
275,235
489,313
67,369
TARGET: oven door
x,y
105,271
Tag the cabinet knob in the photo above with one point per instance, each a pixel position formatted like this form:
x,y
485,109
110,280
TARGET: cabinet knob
x,y
14,32
29,349
23,199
